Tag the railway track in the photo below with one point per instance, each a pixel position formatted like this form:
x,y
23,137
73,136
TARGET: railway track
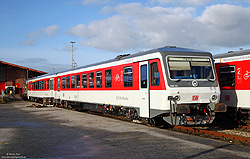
x,y
236,135
233,133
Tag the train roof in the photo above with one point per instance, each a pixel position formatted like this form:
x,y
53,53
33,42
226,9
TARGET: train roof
x,y
232,54
126,56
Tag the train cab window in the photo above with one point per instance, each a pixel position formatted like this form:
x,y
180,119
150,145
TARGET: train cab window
x,y
144,76
91,80
227,76
155,78
73,82
99,79
67,82
128,76
63,83
58,83
78,82
108,78
47,84
84,80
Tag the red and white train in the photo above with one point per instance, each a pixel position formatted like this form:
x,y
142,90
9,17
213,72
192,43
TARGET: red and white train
x,y
233,70
175,84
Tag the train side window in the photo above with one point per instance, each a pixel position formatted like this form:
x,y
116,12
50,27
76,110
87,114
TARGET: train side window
x,y
128,76
99,79
67,82
78,82
47,84
58,83
91,80
63,83
42,84
227,76
73,82
155,78
84,80
108,78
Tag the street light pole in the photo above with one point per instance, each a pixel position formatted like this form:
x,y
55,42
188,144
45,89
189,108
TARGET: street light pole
x,y
72,54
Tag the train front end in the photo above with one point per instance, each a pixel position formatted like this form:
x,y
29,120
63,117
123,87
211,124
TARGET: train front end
x,y
193,90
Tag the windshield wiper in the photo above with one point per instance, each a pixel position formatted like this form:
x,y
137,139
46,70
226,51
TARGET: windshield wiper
x,y
178,80
211,80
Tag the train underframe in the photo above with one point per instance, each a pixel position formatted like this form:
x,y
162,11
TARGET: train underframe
x,y
182,114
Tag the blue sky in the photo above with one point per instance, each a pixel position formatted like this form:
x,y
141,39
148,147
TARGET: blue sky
x,y
37,33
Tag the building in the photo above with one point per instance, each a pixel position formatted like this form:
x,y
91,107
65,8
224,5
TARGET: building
x,y
14,77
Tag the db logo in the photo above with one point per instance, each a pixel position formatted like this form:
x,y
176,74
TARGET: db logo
x,y
195,98
227,97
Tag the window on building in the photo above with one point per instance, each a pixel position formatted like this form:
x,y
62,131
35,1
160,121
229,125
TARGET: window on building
x,y
63,83
84,80
99,79
67,82
108,78
91,80
73,82
155,77
78,82
227,76
58,83
128,76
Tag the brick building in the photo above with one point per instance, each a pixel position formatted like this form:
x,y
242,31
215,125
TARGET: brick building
x,y
16,76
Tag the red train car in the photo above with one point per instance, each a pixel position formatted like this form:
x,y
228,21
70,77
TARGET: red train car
x,y
177,85
233,71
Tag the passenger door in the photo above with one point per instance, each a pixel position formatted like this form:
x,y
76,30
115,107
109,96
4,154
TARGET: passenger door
x,y
144,90
51,87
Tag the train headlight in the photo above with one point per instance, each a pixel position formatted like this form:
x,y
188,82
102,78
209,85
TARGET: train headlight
x,y
214,97
177,98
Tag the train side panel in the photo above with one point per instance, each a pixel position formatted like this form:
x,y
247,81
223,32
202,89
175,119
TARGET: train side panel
x,y
234,77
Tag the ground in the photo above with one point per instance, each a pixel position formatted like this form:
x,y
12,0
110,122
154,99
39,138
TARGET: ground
x,y
51,132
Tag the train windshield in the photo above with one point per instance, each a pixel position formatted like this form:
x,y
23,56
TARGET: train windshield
x,y
190,68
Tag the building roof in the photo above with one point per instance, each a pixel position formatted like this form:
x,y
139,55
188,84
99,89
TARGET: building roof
x,y
22,67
